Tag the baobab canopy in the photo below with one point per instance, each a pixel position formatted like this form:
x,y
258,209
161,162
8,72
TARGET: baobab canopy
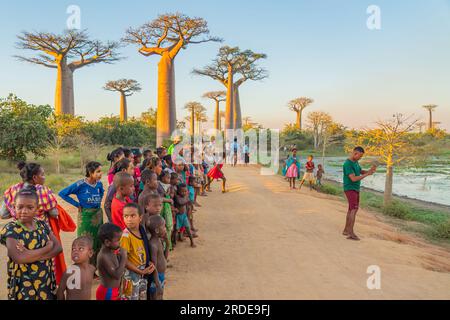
x,y
66,52
229,63
166,36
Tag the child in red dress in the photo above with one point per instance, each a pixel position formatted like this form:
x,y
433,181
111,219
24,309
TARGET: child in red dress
x,y
216,173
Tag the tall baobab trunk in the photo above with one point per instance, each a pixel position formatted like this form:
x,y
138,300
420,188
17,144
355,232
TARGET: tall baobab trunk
x,y
192,123
237,113
299,120
166,114
123,107
64,96
217,116
229,118
430,124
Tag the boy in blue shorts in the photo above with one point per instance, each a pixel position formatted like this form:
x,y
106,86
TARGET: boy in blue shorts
x,y
181,204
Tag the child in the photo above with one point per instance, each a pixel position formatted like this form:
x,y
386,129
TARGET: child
x,y
114,157
124,184
124,165
137,169
164,191
89,192
76,282
293,171
31,247
157,229
181,203
319,175
111,262
150,181
216,173
138,267
309,174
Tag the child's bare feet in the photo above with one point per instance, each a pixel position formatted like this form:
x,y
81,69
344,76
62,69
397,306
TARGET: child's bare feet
x,y
197,204
345,233
193,245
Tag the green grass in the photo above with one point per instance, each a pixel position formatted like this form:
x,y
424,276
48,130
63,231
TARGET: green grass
x,y
436,222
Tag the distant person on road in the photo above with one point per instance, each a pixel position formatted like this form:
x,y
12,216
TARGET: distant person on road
x,y
309,174
293,168
319,175
353,174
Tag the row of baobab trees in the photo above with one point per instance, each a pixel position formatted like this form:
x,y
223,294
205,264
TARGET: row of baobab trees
x,y
165,37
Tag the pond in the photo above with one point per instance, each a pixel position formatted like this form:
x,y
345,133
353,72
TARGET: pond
x,y
431,183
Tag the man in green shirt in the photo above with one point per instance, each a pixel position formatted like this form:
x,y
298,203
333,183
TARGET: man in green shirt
x,y
353,174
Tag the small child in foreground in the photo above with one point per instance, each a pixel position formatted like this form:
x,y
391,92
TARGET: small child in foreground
x,y
76,282
157,229
111,262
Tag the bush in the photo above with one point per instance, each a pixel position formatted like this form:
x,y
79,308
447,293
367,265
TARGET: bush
x,y
398,210
330,189
441,231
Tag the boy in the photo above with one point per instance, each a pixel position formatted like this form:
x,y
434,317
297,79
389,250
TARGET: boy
x,y
150,181
319,175
181,203
157,229
135,242
309,175
124,184
76,282
353,174
111,262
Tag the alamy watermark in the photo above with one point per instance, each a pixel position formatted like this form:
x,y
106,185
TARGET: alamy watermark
x,y
374,280
374,19
74,20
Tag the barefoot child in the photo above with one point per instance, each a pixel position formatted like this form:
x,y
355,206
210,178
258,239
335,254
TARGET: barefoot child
x,y
181,203
31,247
157,229
124,184
319,175
216,173
138,267
111,262
76,282
293,171
309,174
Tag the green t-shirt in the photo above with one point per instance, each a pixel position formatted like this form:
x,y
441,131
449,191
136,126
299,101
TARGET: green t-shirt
x,y
349,168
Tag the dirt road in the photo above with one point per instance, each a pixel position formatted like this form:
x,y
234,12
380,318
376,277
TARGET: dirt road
x,y
263,241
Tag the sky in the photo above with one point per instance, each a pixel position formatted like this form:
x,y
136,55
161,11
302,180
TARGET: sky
x,y
320,49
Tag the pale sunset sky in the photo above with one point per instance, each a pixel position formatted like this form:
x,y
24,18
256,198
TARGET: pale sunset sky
x,y
321,49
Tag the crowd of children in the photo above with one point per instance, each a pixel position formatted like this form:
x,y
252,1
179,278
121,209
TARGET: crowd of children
x,y
292,171
149,204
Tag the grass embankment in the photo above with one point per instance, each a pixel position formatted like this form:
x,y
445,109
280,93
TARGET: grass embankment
x,y
431,222
70,164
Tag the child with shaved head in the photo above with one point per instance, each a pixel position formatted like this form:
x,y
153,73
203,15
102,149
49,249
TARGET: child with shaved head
x,y
157,228
124,184
76,282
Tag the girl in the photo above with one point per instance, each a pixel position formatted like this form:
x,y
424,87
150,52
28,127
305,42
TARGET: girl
x,y
31,246
89,192
319,175
124,165
48,210
293,171
216,174
154,164
114,157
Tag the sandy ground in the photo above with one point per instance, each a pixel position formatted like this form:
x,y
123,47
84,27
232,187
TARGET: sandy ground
x,y
263,241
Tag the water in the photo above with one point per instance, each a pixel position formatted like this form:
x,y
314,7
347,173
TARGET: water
x,y
430,184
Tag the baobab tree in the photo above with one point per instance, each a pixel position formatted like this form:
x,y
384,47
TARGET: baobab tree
x,y
197,114
226,67
420,126
67,53
298,105
430,108
222,117
166,36
218,97
126,88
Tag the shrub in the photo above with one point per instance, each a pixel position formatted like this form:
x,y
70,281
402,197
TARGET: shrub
x,y
397,209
